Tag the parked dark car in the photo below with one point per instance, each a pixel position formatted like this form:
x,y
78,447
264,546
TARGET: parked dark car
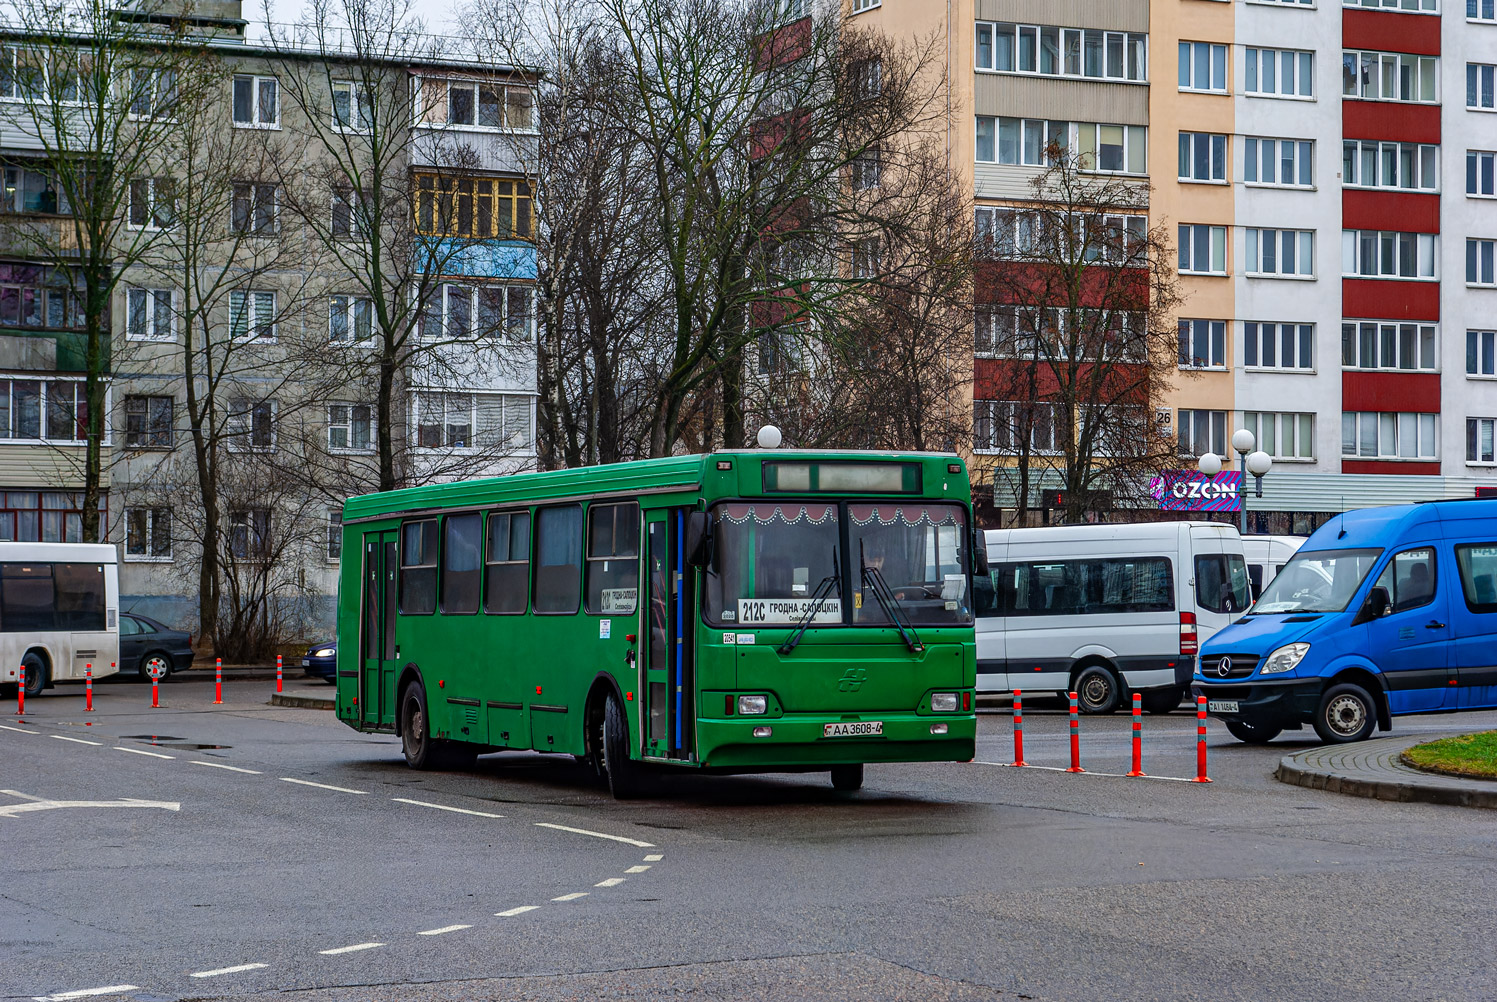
x,y
146,642
321,661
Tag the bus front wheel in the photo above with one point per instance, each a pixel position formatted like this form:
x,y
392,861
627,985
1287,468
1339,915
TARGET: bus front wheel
x,y
625,776
422,751
36,673
847,778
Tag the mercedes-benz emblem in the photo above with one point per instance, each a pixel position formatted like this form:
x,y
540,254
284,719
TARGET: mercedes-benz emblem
x,y
1224,667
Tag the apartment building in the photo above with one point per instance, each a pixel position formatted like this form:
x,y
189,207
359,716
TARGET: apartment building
x,y
1326,172
296,381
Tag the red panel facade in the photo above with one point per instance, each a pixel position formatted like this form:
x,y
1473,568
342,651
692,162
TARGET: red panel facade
x,y
1390,299
1390,391
1405,123
1387,31
1390,210
1382,466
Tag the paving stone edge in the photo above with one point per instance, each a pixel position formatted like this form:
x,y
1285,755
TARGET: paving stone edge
x,y
315,702
1296,775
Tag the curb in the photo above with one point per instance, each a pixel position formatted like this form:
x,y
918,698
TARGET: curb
x,y
310,702
1375,789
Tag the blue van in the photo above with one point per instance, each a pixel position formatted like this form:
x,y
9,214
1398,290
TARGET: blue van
x,y
1382,612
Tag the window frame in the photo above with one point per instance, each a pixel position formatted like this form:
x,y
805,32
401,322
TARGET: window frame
x,y
1210,230
256,118
1272,332
1378,421
350,318
535,549
1386,154
149,534
1481,354
147,402
359,99
349,424
1481,262
1353,246
1054,44
1256,251
1215,335
334,541
525,561
1386,333
248,418
1270,443
1474,428
403,567
247,209
150,308
1356,63
248,315
152,191
256,534
1303,76
1189,157
1188,69
444,570
1475,160
616,509
1216,431
1252,162
1481,87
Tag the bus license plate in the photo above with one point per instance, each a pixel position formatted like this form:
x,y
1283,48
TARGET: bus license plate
x,y
1222,705
860,729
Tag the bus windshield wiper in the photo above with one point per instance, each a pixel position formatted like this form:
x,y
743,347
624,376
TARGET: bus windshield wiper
x,y
822,593
873,580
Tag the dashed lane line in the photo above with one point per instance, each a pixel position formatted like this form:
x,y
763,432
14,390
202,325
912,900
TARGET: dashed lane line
x,y
512,912
571,897
86,993
1085,772
445,929
81,741
220,765
610,882
350,949
228,970
444,807
324,786
654,857
18,730
584,831
141,751
641,868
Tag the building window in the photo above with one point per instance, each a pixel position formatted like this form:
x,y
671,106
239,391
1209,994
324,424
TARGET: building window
x,y
1203,67
1278,346
1070,52
252,315
1367,163
149,422
348,428
1279,73
479,208
32,191
1386,435
334,535
1203,156
1018,140
1479,445
148,315
45,516
353,106
249,534
344,222
1112,149
255,209
349,319
28,300
489,311
257,102
148,533
858,6
153,93
251,425
1479,173
1479,258
1478,10
865,258
1282,436
867,79
1203,344
1389,76
153,203
1201,432
1282,162
1387,254
475,104
865,170
1373,344
1479,86
1006,426
52,410
1481,353
1203,249
1427,6
1281,253
472,421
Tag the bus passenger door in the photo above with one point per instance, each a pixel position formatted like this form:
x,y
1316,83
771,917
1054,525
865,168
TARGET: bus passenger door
x,y
666,685
377,632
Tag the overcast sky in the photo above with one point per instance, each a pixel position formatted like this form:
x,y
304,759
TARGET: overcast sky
x,y
436,13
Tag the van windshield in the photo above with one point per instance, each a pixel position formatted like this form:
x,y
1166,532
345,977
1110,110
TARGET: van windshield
x,y
1317,581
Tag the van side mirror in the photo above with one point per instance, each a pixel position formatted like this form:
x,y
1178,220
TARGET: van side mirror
x,y
979,555
698,538
1377,605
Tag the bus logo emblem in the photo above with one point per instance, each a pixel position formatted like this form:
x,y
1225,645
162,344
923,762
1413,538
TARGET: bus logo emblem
x,y
852,680
1224,667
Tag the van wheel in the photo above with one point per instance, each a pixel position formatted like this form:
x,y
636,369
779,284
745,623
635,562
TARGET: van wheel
x,y
1097,690
36,673
1253,734
626,777
1346,713
847,778
1162,700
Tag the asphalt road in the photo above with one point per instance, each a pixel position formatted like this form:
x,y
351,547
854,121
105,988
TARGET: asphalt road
x,y
241,877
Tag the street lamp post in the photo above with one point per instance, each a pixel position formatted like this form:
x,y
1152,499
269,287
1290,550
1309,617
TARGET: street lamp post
x,y
1258,463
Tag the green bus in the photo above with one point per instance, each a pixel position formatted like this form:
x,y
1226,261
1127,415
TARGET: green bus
x,y
744,611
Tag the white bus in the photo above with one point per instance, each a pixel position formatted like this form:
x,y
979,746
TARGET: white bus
x,y
1106,610
1266,556
59,611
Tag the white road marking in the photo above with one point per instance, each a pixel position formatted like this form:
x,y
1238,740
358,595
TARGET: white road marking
x,y
140,751
1087,772
81,741
445,928
18,730
85,993
42,804
510,913
220,765
610,882
350,949
24,796
571,897
444,807
654,858
641,868
323,786
584,831
228,970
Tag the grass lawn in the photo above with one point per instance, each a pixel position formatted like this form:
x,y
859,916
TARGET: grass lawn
x,y
1473,755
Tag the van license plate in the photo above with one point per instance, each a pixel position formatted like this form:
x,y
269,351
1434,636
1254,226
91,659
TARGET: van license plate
x,y
1222,705
860,729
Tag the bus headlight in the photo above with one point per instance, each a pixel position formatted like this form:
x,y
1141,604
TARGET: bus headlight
x,y
752,705
1284,659
943,702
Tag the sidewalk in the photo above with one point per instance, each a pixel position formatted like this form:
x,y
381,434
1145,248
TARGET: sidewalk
x,y
1373,769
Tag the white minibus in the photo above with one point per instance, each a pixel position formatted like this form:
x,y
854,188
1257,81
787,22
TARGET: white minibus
x,y
1105,610
59,612
1266,556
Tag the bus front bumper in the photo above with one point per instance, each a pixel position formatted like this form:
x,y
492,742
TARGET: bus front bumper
x,y
797,740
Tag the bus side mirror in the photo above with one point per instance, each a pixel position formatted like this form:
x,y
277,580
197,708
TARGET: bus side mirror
x,y
1377,605
979,555
698,538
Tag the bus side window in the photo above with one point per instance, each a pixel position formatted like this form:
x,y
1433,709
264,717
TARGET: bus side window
x,y
462,540
418,568
558,558
613,559
507,563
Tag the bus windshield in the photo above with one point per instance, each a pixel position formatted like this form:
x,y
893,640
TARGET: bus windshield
x,y
775,561
1317,581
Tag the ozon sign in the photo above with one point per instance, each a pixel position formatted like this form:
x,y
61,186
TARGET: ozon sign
x,y
1190,490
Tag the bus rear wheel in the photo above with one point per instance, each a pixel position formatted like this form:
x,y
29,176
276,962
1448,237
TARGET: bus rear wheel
x,y
36,673
626,778
847,778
